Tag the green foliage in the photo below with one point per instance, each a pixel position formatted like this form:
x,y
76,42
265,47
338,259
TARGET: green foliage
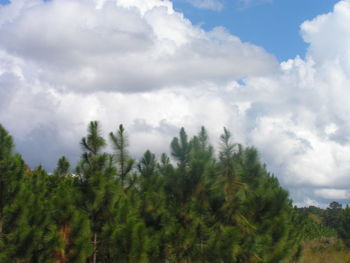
x,y
63,166
120,143
12,169
72,223
94,142
332,215
344,226
97,184
30,231
180,148
191,208
6,143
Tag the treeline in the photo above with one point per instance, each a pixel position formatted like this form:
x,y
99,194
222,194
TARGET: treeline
x,y
334,221
190,207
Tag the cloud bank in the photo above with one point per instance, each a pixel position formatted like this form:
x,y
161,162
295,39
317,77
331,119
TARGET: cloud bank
x,y
300,119
64,63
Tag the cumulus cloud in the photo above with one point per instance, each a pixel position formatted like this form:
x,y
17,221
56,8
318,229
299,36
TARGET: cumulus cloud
x,y
87,49
335,194
299,118
64,63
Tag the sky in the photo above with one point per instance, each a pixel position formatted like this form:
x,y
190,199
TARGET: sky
x,y
274,72
271,24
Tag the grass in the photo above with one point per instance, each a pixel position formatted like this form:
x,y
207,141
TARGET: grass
x,y
325,250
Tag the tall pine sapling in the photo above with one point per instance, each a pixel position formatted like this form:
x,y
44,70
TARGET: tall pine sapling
x,y
120,143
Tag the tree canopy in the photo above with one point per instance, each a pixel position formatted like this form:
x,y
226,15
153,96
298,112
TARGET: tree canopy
x,y
187,207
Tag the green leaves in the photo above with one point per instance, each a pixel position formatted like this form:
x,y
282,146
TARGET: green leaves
x,y
120,143
147,165
180,148
94,142
191,208
6,143
63,166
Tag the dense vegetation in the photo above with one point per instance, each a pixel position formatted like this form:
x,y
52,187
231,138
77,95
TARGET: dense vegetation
x,y
327,235
190,207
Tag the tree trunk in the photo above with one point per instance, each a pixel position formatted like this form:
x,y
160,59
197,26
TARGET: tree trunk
x,y
1,224
95,248
65,232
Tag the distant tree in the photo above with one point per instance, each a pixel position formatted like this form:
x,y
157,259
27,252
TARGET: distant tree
x,y
344,226
335,206
332,215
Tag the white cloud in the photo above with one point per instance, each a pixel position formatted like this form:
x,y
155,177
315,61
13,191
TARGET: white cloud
x,y
64,63
77,46
145,6
333,194
215,5
300,117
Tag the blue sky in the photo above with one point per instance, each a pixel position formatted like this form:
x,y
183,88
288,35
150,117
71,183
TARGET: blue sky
x,y
159,65
273,24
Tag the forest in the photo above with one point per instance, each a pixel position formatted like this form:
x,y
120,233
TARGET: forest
x,y
199,204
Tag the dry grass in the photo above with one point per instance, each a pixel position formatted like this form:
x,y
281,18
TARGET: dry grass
x,y
325,250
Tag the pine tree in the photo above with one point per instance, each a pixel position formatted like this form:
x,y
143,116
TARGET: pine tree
x,y
152,205
96,173
12,169
120,143
202,209
72,222
63,167
181,148
269,211
32,235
